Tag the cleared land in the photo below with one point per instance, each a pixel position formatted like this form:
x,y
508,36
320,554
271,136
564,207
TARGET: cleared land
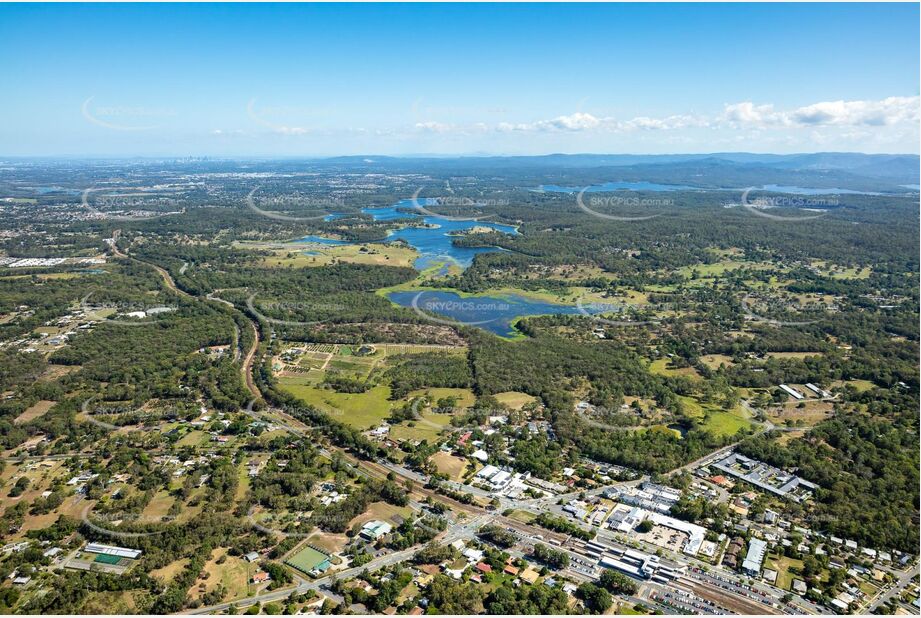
x,y
514,399
714,418
454,467
33,412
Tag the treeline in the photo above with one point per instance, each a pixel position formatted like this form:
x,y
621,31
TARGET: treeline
x,y
430,369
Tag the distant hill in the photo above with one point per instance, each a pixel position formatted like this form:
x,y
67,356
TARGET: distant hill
x,y
842,170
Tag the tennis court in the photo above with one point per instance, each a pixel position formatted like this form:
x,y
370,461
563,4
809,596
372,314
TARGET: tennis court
x,y
107,559
307,559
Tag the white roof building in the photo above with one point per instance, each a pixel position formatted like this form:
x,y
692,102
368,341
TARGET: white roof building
x,y
111,550
757,549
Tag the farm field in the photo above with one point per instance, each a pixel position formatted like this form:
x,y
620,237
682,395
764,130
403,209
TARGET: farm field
x,y
360,410
231,572
307,254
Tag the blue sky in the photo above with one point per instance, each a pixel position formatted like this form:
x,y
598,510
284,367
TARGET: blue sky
x,y
295,80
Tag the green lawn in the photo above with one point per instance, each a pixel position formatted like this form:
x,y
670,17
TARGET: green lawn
x,y
783,564
718,421
428,428
661,367
465,396
360,410
431,424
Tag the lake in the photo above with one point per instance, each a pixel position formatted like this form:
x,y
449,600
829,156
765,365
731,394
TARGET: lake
x,y
496,314
794,190
435,243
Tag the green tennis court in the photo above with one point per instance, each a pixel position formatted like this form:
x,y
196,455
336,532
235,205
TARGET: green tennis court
x,y
107,559
307,559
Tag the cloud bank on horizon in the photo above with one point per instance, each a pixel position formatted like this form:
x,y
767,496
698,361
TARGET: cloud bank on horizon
x,y
315,80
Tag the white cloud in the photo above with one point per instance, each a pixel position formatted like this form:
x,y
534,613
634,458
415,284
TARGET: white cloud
x,y
744,115
578,121
889,111
747,113
683,121
290,130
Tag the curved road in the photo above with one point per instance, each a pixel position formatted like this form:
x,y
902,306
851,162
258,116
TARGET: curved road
x,y
246,369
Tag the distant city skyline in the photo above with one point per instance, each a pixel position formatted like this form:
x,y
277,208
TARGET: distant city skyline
x,y
284,80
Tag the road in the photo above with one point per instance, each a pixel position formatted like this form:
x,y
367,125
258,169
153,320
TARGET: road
x,y
246,369
897,587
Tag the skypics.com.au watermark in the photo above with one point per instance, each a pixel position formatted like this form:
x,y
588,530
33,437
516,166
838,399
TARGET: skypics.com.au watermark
x,y
275,206
297,306
596,311
425,309
749,304
455,201
113,206
596,202
131,416
106,523
761,205
124,117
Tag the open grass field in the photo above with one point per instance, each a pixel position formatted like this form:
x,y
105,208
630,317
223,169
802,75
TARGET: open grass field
x,y
514,399
233,572
812,413
429,428
799,355
381,511
465,397
713,361
109,603
784,565
328,542
194,438
860,385
662,367
159,506
454,467
714,418
717,269
360,410
841,272
524,517
305,255
167,573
